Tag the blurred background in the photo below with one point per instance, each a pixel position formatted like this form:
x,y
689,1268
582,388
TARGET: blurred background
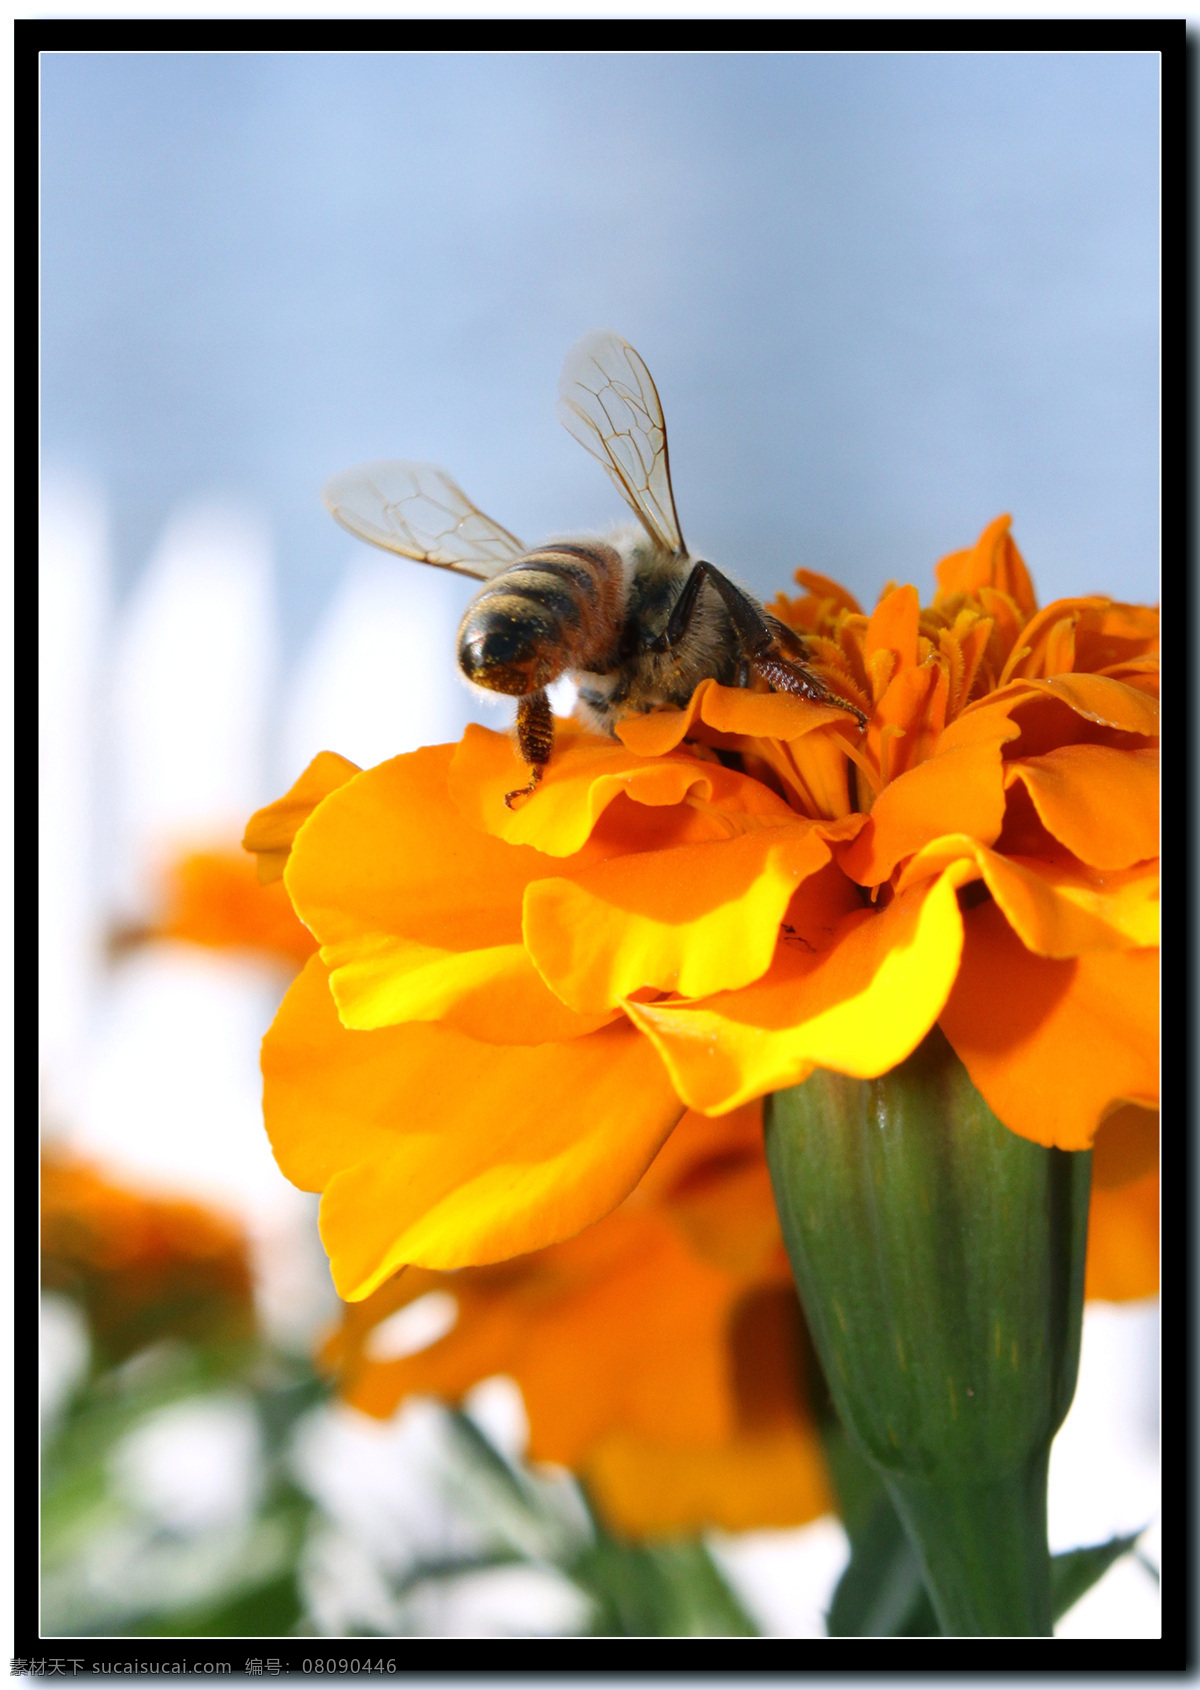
x,y
884,298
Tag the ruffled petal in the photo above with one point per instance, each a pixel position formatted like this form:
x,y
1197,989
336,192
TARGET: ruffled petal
x,y
435,1149
1059,906
859,1007
440,940
959,792
1097,698
1117,634
726,710
1102,804
494,994
270,831
1054,1046
1047,641
585,777
695,920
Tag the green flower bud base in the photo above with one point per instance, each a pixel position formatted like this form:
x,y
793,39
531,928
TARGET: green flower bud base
x,y
940,1260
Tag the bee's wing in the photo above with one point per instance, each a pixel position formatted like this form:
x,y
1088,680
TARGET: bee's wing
x,y
608,401
416,510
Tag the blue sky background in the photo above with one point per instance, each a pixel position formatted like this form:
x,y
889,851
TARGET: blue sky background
x,y
884,296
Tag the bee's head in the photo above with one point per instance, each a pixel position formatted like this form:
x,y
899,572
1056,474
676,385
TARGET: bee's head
x,y
506,654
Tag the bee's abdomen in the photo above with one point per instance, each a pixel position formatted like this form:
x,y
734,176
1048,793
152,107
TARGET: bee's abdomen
x,y
557,609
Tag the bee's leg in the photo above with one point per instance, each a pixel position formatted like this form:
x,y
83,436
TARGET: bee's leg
x,y
535,739
783,675
770,648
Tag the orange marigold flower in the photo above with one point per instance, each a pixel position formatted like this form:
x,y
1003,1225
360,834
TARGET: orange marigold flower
x,y
144,1267
512,1007
214,898
660,1354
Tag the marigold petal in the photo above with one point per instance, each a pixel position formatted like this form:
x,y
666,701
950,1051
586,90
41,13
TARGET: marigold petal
x,y
494,994
993,561
1118,634
588,774
727,710
1059,907
435,1149
1126,1146
215,898
624,1331
893,627
825,587
909,719
1101,803
711,1178
696,919
1098,698
440,941
756,1480
960,791
1122,1244
859,1007
704,1144
475,1349
270,831
1054,1046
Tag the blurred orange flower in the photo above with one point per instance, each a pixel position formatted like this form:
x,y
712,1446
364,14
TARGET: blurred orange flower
x,y
143,1267
1123,1219
215,898
660,1353
512,1008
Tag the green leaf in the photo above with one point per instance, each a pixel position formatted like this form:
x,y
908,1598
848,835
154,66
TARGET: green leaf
x,y
881,1590
672,1589
453,1567
1074,1573
268,1610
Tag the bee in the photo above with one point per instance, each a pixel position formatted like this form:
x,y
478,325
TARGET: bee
x,y
632,618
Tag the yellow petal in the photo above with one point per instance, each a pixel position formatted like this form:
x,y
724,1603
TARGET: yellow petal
x,y
1060,907
859,1007
435,1149
270,831
695,920
419,915
494,994
586,775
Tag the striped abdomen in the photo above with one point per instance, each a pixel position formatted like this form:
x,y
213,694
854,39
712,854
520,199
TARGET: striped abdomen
x,y
559,608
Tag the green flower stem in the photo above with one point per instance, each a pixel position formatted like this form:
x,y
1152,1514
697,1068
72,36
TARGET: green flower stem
x,y
939,1258
984,1550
